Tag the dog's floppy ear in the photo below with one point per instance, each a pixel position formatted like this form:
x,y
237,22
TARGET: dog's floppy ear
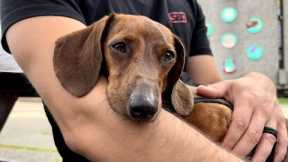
x,y
78,57
175,72
183,98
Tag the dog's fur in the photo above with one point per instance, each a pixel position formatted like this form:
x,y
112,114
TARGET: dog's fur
x,y
211,118
80,57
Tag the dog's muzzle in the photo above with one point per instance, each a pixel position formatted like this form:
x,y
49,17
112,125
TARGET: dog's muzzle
x,y
143,103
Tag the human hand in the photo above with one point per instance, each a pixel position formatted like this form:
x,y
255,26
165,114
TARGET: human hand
x,y
255,106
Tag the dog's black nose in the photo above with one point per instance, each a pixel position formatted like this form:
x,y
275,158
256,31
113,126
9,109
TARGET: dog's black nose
x,y
143,103
142,111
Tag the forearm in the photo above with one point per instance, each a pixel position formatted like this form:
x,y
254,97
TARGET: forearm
x,y
203,69
98,133
166,139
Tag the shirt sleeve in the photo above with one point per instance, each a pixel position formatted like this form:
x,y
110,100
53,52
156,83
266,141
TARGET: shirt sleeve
x,y
199,44
13,11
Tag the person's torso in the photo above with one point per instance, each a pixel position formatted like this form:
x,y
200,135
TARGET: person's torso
x,y
178,15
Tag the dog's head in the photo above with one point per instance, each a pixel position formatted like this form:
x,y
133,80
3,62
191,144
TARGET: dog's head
x,y
143,60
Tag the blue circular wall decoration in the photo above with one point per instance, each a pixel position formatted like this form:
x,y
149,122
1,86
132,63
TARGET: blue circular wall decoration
x,y
229,14
229,65
254,52
255,25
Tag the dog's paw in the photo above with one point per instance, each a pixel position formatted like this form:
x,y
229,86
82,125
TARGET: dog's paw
x,y
212,119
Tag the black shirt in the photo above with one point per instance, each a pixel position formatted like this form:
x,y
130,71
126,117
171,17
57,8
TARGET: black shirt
x,y
183,17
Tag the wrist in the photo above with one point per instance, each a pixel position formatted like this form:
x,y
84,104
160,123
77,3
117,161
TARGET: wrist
x,y
165,139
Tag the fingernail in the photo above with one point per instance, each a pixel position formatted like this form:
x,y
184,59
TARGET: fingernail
x,y
203,86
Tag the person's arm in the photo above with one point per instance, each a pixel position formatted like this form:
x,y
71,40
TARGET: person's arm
x,y
203,69
89,126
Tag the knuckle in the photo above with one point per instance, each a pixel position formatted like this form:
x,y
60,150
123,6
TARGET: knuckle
x,y
266,104
264,109
280,154
258,158
265,101
279,118
283,142
283,120
263,114
254,136
258,98
241,124
249,95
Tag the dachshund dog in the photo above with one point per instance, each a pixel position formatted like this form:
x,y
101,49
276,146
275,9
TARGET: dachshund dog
x,y
143,61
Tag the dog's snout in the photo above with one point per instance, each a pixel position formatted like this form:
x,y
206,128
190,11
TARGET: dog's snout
x,y
143,103
142,112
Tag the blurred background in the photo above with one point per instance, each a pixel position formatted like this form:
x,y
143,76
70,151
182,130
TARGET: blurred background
x,y
244,35
249,36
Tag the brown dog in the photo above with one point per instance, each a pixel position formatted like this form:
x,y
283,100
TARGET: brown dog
x,y
143,61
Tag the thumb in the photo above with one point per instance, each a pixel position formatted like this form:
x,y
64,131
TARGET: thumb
x,y
216,90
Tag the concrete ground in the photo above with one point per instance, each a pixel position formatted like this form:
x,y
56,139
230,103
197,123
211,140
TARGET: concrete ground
x,y
27,136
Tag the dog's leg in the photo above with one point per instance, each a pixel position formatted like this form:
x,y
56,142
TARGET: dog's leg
x,y
212,119
211,116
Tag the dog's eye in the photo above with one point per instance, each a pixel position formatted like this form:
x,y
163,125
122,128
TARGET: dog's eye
x,y
168,56
121,47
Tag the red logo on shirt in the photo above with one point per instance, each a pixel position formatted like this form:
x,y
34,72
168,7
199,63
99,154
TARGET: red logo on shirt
x,y
177,17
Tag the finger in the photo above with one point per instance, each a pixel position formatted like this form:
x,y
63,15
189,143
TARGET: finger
x,y
282,143
240,121
217,90
265,146
252,136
